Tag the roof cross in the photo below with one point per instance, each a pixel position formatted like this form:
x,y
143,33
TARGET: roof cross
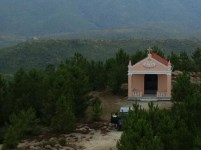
x,y
149,50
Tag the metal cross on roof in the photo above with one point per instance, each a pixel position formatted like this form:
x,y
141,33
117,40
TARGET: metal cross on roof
x,y
149,50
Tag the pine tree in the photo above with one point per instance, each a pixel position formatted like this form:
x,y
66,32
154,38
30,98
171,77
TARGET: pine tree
x,y
183,88
23,123
64,119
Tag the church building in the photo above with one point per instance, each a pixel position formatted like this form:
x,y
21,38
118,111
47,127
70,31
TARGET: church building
x,y
150,79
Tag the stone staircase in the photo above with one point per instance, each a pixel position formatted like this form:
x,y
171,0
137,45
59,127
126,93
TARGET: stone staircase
x,y
150,98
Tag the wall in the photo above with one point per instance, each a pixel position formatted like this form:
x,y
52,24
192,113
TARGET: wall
x,y
138,82
162,83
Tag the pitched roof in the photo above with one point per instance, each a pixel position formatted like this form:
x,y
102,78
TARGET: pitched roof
x,y
159,58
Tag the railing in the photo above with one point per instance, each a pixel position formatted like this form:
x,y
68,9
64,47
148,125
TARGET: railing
x,y
137,93
161,94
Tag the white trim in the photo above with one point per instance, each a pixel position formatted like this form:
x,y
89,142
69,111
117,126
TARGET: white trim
x,y
149,72
145,59
149,99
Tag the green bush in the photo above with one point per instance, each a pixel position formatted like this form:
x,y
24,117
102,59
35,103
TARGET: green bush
x,y
96,109
156,129
64,119
21,124
138,132
183,88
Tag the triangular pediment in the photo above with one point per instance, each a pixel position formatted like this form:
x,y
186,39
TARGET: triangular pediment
x,y
149,64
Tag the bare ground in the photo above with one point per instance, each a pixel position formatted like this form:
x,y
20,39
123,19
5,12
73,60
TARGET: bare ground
x,y
96,136
103,142
112,103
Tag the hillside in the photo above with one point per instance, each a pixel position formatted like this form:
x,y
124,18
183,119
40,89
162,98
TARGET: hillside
x,y
39,53
131,18
10,40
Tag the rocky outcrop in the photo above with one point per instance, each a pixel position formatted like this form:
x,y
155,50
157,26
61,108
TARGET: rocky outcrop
x,y
195,77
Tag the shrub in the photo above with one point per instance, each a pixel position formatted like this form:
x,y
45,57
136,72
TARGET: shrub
x,y
183,88
20,124
64,119
96,109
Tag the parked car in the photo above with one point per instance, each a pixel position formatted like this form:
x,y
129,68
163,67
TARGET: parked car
x,y
117,118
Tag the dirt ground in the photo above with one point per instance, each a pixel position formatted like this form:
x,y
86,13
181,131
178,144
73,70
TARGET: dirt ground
x,y
103,142
112,103
93,137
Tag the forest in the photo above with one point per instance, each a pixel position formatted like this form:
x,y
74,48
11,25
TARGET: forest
x,y
42,52
56,98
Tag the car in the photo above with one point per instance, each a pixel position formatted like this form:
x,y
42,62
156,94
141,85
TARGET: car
x,y
117,118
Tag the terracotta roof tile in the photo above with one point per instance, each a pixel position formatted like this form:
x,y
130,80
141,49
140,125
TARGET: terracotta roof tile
x,y
159,58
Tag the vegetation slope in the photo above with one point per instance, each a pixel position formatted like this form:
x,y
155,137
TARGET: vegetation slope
x,y
39,53
56,98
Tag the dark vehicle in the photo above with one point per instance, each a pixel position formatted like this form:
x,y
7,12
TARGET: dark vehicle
x,y
118,117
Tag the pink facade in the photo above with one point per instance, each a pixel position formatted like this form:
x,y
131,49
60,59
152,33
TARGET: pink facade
x,y
151,77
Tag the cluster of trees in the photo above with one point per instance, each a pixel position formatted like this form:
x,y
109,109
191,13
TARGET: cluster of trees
x,y
177,128
185,62
39,53
59,96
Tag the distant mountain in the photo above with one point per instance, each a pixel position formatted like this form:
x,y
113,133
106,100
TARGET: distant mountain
x,y
71,17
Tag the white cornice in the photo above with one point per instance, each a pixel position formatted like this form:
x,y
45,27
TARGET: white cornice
x,y
150,72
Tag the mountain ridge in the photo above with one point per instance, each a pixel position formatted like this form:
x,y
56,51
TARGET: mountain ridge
x,y
43,18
